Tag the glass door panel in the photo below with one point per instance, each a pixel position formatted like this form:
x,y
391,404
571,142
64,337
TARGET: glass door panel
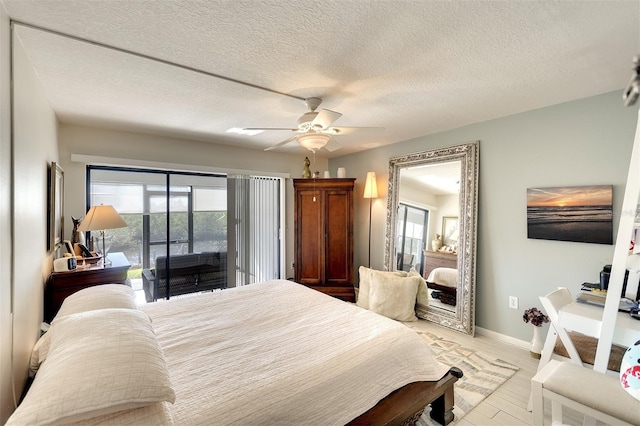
x,y
411,236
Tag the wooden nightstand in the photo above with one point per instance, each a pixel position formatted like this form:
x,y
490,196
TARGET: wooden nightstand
x,y
62,284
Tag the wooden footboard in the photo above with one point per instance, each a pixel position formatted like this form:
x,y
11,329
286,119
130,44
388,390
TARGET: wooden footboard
x,y
405,405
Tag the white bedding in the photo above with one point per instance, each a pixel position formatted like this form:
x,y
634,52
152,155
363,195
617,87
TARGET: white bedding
x,y
447,277
279,353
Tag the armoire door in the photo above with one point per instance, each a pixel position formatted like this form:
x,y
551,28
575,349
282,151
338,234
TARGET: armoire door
x,y
339,238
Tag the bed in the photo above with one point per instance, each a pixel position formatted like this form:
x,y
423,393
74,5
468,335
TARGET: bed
x,y
444,282
268,353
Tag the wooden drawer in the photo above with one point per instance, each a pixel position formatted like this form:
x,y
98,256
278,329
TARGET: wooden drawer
x,y
433,260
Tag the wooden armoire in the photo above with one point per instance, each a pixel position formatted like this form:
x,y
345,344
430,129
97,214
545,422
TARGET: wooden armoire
x,y
324,235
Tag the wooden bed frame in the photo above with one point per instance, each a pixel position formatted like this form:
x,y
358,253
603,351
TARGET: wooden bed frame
x,y
405,405
447,294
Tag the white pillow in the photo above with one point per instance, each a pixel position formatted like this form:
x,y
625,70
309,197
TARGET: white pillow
x,y
105,296
394,296
422,299
99,362
39,353
365,281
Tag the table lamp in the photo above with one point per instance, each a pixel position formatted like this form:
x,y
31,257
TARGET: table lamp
x,y
100,218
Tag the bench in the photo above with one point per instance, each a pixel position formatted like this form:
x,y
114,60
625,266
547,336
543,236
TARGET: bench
x,y
187,273
594,394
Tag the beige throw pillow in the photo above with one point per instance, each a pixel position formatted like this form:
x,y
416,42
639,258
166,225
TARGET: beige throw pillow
x,y
365,282
393,296
422,299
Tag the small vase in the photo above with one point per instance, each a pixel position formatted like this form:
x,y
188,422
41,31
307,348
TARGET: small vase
x,y
537,343
436,243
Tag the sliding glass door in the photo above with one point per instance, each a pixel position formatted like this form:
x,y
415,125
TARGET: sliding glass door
x,y
176,213
411,234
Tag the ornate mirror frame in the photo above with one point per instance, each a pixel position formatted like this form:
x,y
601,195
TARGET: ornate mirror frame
x,y
463,319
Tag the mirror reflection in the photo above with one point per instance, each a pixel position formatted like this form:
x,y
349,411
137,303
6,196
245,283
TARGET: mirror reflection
x,y
431,226
427,227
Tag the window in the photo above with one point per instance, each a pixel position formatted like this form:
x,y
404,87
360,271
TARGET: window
x,y
411,234
170,213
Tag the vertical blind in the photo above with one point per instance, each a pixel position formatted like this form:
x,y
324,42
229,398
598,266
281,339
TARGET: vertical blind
x,y
257,228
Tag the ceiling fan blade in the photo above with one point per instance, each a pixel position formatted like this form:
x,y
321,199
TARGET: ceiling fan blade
x,y
284,142
332,145
324,119
270,128
350,130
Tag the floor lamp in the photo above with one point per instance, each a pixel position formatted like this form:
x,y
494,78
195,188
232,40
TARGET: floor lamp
x,y
370,192
100,218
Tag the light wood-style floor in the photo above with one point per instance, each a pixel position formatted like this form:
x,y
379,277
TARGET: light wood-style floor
x,y
508,404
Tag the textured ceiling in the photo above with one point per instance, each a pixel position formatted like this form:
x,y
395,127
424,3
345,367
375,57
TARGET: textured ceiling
x,y
412,67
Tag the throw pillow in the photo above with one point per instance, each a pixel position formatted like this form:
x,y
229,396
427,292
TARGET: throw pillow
x,y
365,281
393,296
630,370
422,299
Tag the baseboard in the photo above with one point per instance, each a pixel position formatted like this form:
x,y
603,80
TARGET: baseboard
x,y
502,338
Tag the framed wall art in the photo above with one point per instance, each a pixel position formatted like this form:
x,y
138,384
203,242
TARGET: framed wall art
x,y
571,213
450,232
55,206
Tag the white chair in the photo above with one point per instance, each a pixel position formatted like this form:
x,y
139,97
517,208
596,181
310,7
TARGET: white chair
x,y
552,303
596,395
545,383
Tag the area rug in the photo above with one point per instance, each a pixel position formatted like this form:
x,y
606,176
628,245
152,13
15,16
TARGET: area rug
x,y
482,375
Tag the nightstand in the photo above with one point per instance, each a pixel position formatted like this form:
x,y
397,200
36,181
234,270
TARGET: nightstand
x,y
62,284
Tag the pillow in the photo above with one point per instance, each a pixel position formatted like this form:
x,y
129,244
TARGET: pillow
x,y
422,299
39,353
88,299
365,280
99,362
394,296
630,370
105,296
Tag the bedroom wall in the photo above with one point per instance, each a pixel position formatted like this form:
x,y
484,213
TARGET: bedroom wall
x,y
170,153
6,401
34,148
585,142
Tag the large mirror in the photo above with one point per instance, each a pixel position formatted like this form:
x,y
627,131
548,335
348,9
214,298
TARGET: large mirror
x,y
431,226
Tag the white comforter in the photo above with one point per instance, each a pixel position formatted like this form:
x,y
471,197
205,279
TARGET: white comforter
x,y
447,277
280,353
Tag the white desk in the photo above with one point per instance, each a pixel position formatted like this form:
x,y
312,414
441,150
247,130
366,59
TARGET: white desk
x,y
587,319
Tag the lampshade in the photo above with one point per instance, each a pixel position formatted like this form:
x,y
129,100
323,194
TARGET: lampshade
x,y
371,186
100,218
313,141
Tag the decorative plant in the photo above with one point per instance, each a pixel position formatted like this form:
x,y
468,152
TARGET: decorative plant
x,y
534,316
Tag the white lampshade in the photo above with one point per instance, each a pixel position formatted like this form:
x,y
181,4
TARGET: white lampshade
x,y
313,141
100,218
371,186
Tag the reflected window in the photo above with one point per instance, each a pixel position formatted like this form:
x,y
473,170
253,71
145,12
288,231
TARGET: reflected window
x,y
411,236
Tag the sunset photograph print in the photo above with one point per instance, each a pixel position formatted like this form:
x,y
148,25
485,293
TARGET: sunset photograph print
x,y
581,214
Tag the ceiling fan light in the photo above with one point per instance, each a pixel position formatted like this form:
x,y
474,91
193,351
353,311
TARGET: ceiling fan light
x,y
313,141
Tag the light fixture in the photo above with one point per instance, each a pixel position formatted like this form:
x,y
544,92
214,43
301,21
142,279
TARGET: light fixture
x,y
100,218
313,141
370,192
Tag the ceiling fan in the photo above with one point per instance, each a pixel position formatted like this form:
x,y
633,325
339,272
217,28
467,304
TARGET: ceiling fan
x,y
314,129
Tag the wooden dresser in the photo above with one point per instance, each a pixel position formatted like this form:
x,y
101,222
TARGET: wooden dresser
x,y
324,235
436,259
62,284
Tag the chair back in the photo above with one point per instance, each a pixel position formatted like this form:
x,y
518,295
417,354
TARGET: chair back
x,y
554,301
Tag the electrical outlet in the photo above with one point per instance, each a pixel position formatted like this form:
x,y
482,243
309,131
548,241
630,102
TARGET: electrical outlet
x,y
513,302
